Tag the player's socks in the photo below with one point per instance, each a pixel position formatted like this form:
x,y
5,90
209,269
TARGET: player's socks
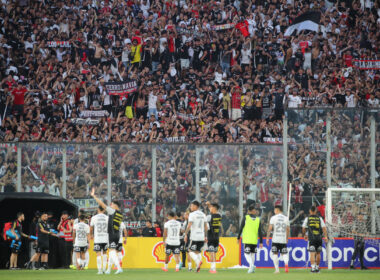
x,y
213,266
286,261
189,265
275,261
99,263
74,259
79,262
177,267
248,258
120,257
104,262
312,268
253,259
199,258
194,257
86,259
166,266
114,259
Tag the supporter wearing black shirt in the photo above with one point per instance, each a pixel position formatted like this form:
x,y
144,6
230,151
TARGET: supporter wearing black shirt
x,y
149,230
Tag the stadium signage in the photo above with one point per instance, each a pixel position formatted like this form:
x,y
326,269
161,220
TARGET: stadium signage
x,y
121,88
366,64
299,257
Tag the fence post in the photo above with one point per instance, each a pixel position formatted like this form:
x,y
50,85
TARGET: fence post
x,y
328,154
285,164
197,190
109,175
64,175
19,166
154,182
241,184
373,170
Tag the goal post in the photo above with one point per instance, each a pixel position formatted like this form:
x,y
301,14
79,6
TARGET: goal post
x,y
343,206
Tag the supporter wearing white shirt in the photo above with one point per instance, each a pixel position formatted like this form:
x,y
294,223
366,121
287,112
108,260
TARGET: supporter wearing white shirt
x,y
294,100
252,192
246,55
350,100
152,105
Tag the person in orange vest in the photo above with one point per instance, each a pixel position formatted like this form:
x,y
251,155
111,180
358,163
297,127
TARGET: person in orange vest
x,y
65,248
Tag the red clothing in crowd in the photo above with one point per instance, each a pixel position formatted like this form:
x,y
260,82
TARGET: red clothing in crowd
x,y
348,60
19,95
236,100
158,232
322,209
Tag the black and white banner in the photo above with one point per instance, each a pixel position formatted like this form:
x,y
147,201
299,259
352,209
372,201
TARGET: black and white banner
x,y
363,64
94,114
306,21
121,88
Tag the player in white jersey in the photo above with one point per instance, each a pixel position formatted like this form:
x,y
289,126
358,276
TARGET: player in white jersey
x,y
172,231
119,248
87,256
279,223
81,235
198,228
99,231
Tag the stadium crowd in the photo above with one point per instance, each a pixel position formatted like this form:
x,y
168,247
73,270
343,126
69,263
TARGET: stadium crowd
x,y
206,72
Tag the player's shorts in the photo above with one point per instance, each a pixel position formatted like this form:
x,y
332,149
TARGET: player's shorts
x,y
114,240
119,247
279,248
98,247
213,245
79,249
182,246
43,247
169,249
196,246
250,248
315,245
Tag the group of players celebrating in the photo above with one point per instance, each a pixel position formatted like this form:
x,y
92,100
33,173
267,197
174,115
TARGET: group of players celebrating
x,y
200,230
191,235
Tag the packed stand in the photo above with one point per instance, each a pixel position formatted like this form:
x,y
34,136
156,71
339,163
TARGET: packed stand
x,y
197,71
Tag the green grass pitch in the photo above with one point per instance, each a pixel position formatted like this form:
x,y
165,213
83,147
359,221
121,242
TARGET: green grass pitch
x,y
155,274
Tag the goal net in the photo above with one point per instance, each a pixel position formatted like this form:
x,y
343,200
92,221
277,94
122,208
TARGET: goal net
x,y
353,213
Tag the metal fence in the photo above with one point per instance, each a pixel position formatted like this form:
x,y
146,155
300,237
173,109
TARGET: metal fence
x,y
321,148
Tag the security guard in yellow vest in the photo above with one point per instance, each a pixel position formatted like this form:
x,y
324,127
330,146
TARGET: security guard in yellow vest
x,y
250,230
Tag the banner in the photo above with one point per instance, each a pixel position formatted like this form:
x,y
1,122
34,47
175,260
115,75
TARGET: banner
x,y
87,204
121,88
366,64
299,257
94,114
80,121
272,140
55,44
223,26
135,224
149,252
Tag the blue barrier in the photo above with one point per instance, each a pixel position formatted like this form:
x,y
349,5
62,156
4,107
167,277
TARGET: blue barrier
x,y
299,257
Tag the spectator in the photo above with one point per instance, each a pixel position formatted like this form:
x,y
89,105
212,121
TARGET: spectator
x,y
149,230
